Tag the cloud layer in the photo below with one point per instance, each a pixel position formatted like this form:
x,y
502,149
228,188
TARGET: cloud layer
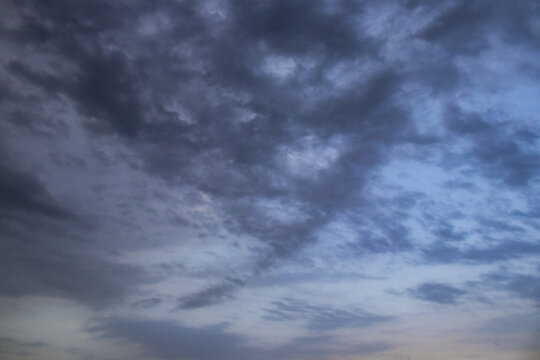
x,y
278,179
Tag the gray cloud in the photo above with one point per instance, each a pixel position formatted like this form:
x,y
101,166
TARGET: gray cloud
x,y
269,129
454,26
438,293
23,193
14,347
447,232
498,150
462,27
179,111
211,295
525,286
147,303
6,340
316,347
322,318
92,281
441,252
171,340
298,27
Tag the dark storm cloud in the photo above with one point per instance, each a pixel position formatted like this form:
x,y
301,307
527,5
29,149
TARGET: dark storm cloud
x,y
48,82
23,192
108,90
178,95
267,125
322,318
36,270
300,27
251,173
45,250
104,90
438,293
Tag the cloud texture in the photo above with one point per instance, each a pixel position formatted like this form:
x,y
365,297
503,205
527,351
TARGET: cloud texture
x,y
278,179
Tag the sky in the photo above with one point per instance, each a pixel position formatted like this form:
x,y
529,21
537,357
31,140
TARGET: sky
x,y
278,179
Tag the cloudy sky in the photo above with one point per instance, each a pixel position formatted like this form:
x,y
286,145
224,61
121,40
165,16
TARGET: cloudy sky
x,y
256,180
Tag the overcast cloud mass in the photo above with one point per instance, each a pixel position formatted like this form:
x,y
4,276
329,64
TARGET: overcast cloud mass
x,y
281,179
